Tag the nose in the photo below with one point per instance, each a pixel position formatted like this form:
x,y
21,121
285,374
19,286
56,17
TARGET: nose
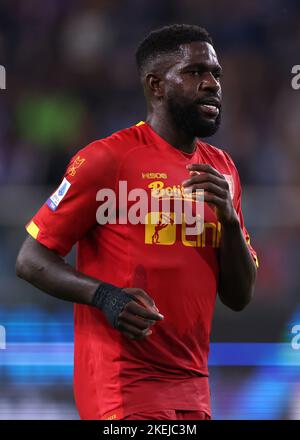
x,y
209,82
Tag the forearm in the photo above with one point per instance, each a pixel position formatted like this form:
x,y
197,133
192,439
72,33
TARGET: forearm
x,y
133,312
237,268
47,271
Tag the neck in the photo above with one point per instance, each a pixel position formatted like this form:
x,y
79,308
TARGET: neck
x,y
162,125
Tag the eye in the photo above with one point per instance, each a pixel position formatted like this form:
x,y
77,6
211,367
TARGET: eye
x,y
217,75
194,72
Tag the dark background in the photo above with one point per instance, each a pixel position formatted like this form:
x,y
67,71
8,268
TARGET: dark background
x,y
71,78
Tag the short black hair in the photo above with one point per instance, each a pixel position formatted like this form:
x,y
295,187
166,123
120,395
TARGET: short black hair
x,y
166,40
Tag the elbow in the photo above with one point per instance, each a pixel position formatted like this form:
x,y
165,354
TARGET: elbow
x,y
20,267
30,263
23,267
238,307
237,302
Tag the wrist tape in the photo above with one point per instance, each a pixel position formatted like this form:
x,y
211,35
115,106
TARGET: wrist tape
x,y
111,300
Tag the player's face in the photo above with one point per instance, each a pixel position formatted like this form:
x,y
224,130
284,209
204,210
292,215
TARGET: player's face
x,y
193,90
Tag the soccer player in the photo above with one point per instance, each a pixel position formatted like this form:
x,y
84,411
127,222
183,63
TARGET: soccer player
x,y
144,307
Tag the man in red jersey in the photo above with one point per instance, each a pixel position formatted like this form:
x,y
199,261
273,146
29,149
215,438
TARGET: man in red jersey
x,y
144,306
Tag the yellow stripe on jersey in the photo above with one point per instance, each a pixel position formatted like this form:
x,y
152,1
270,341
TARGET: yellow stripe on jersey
x,y
140,123
33,229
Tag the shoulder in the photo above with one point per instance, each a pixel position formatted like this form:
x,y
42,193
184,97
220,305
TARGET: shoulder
x,y
118,144
219,157
111,148
216,153
104,155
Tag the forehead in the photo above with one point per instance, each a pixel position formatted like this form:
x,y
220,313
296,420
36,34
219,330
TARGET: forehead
x,y
197,52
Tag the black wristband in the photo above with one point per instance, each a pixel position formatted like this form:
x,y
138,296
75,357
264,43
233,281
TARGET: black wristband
x,y
111,300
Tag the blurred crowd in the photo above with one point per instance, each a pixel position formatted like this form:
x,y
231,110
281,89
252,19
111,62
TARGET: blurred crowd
x,y
71,78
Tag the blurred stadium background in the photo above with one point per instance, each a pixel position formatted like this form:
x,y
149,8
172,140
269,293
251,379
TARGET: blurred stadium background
x,y
71,78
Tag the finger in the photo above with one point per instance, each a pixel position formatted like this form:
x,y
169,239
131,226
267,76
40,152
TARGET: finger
x,y
206,177
214,200
204,167
133,331
126,327
140,323
146,300
129,335
142,297
135,309
211,188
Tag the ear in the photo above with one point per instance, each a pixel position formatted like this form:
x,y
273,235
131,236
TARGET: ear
x,y
155,85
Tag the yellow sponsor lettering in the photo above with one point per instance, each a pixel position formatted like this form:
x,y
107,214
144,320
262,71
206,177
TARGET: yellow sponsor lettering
x,y
213,227
160,228
154,176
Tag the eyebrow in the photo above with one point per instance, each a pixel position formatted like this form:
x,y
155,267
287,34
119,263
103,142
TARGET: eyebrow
x,y
215,67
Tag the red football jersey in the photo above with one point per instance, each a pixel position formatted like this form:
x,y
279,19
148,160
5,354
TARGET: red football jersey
x,y
113,375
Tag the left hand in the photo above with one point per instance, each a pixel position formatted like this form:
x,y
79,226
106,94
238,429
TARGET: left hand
x,y
216,190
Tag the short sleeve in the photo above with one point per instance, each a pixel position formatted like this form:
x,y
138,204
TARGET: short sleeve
x,y
70,212
235,185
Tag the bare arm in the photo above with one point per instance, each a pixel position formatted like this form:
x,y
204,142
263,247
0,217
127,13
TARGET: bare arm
x,y
46,270
237,268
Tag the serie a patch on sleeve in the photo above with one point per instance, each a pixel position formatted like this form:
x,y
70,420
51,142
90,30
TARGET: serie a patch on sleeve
x,y
58,195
